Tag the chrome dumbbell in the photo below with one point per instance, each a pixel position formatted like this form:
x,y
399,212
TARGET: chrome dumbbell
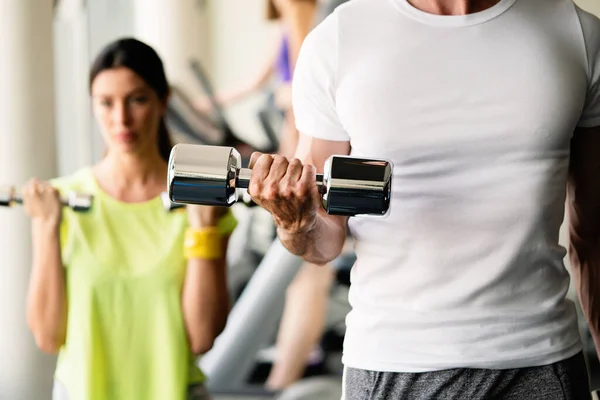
x,y
10,196
211,175
172,206
168,204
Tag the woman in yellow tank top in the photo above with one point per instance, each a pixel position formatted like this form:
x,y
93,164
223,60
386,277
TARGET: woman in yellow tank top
x,y
128,294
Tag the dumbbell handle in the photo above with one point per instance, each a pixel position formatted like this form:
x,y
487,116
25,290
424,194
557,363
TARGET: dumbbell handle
x,y
243,179
76,201
242,182
17,199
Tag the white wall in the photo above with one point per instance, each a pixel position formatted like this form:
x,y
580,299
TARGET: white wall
x,y
27,149
107,21
73,118
178,31
240,42
592,6
81,29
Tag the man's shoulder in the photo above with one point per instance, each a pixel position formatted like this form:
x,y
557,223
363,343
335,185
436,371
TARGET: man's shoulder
x,y
590,30
353,17
362,9
590,23
350,11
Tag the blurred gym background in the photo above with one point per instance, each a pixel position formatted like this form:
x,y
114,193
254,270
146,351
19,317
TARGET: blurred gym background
x,y
47,130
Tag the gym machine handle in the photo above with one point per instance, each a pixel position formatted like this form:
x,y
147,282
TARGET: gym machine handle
x,y
9,196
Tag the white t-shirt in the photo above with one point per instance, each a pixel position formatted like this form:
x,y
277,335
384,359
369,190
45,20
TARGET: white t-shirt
x,y
476,112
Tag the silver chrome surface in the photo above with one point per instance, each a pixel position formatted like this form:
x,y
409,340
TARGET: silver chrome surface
x,y
6,196
244,175
203,174
243,179
324,189
78,201
356,186
168,205
9,196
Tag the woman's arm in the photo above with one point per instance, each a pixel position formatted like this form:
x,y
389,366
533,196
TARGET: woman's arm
x,y
228,97
205,299
299,17
47,299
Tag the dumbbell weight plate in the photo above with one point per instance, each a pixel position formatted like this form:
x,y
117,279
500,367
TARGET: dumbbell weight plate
x,y
211,182
357,186
168,205
78,201
6,196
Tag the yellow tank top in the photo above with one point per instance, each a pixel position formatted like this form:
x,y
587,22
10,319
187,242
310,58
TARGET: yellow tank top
x,y
125,269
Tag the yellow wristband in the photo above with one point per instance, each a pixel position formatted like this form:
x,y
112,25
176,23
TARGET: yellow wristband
x,y
227,223
203,243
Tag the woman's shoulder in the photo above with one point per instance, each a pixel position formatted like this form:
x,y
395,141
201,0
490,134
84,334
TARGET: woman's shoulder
x,y
81,180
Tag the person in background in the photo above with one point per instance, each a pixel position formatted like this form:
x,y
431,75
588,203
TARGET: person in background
x,y
303,321
326,7
128,294
489,111
295,19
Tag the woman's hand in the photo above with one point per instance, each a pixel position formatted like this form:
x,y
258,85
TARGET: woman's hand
x,y
204,216
42,202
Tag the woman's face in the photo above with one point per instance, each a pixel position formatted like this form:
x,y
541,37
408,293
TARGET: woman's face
x,y
127,110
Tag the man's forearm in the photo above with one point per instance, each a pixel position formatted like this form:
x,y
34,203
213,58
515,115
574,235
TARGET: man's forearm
x,y
319,245
585,262
583,205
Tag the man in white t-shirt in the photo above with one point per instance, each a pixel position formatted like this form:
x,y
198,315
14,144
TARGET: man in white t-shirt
x,y
490,112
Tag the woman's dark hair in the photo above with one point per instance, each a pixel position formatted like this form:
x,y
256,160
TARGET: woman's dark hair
x,y
145,62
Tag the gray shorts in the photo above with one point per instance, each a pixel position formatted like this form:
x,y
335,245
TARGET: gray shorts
x,y
564,380
195,392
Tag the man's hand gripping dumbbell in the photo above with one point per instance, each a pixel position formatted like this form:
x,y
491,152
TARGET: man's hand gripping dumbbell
x,y
211,175
292,192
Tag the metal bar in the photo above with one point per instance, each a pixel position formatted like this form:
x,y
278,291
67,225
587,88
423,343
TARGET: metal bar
x,y
253,321
243,179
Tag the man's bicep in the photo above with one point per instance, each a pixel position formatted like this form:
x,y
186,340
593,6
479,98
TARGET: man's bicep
x,y
315,151
584,185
